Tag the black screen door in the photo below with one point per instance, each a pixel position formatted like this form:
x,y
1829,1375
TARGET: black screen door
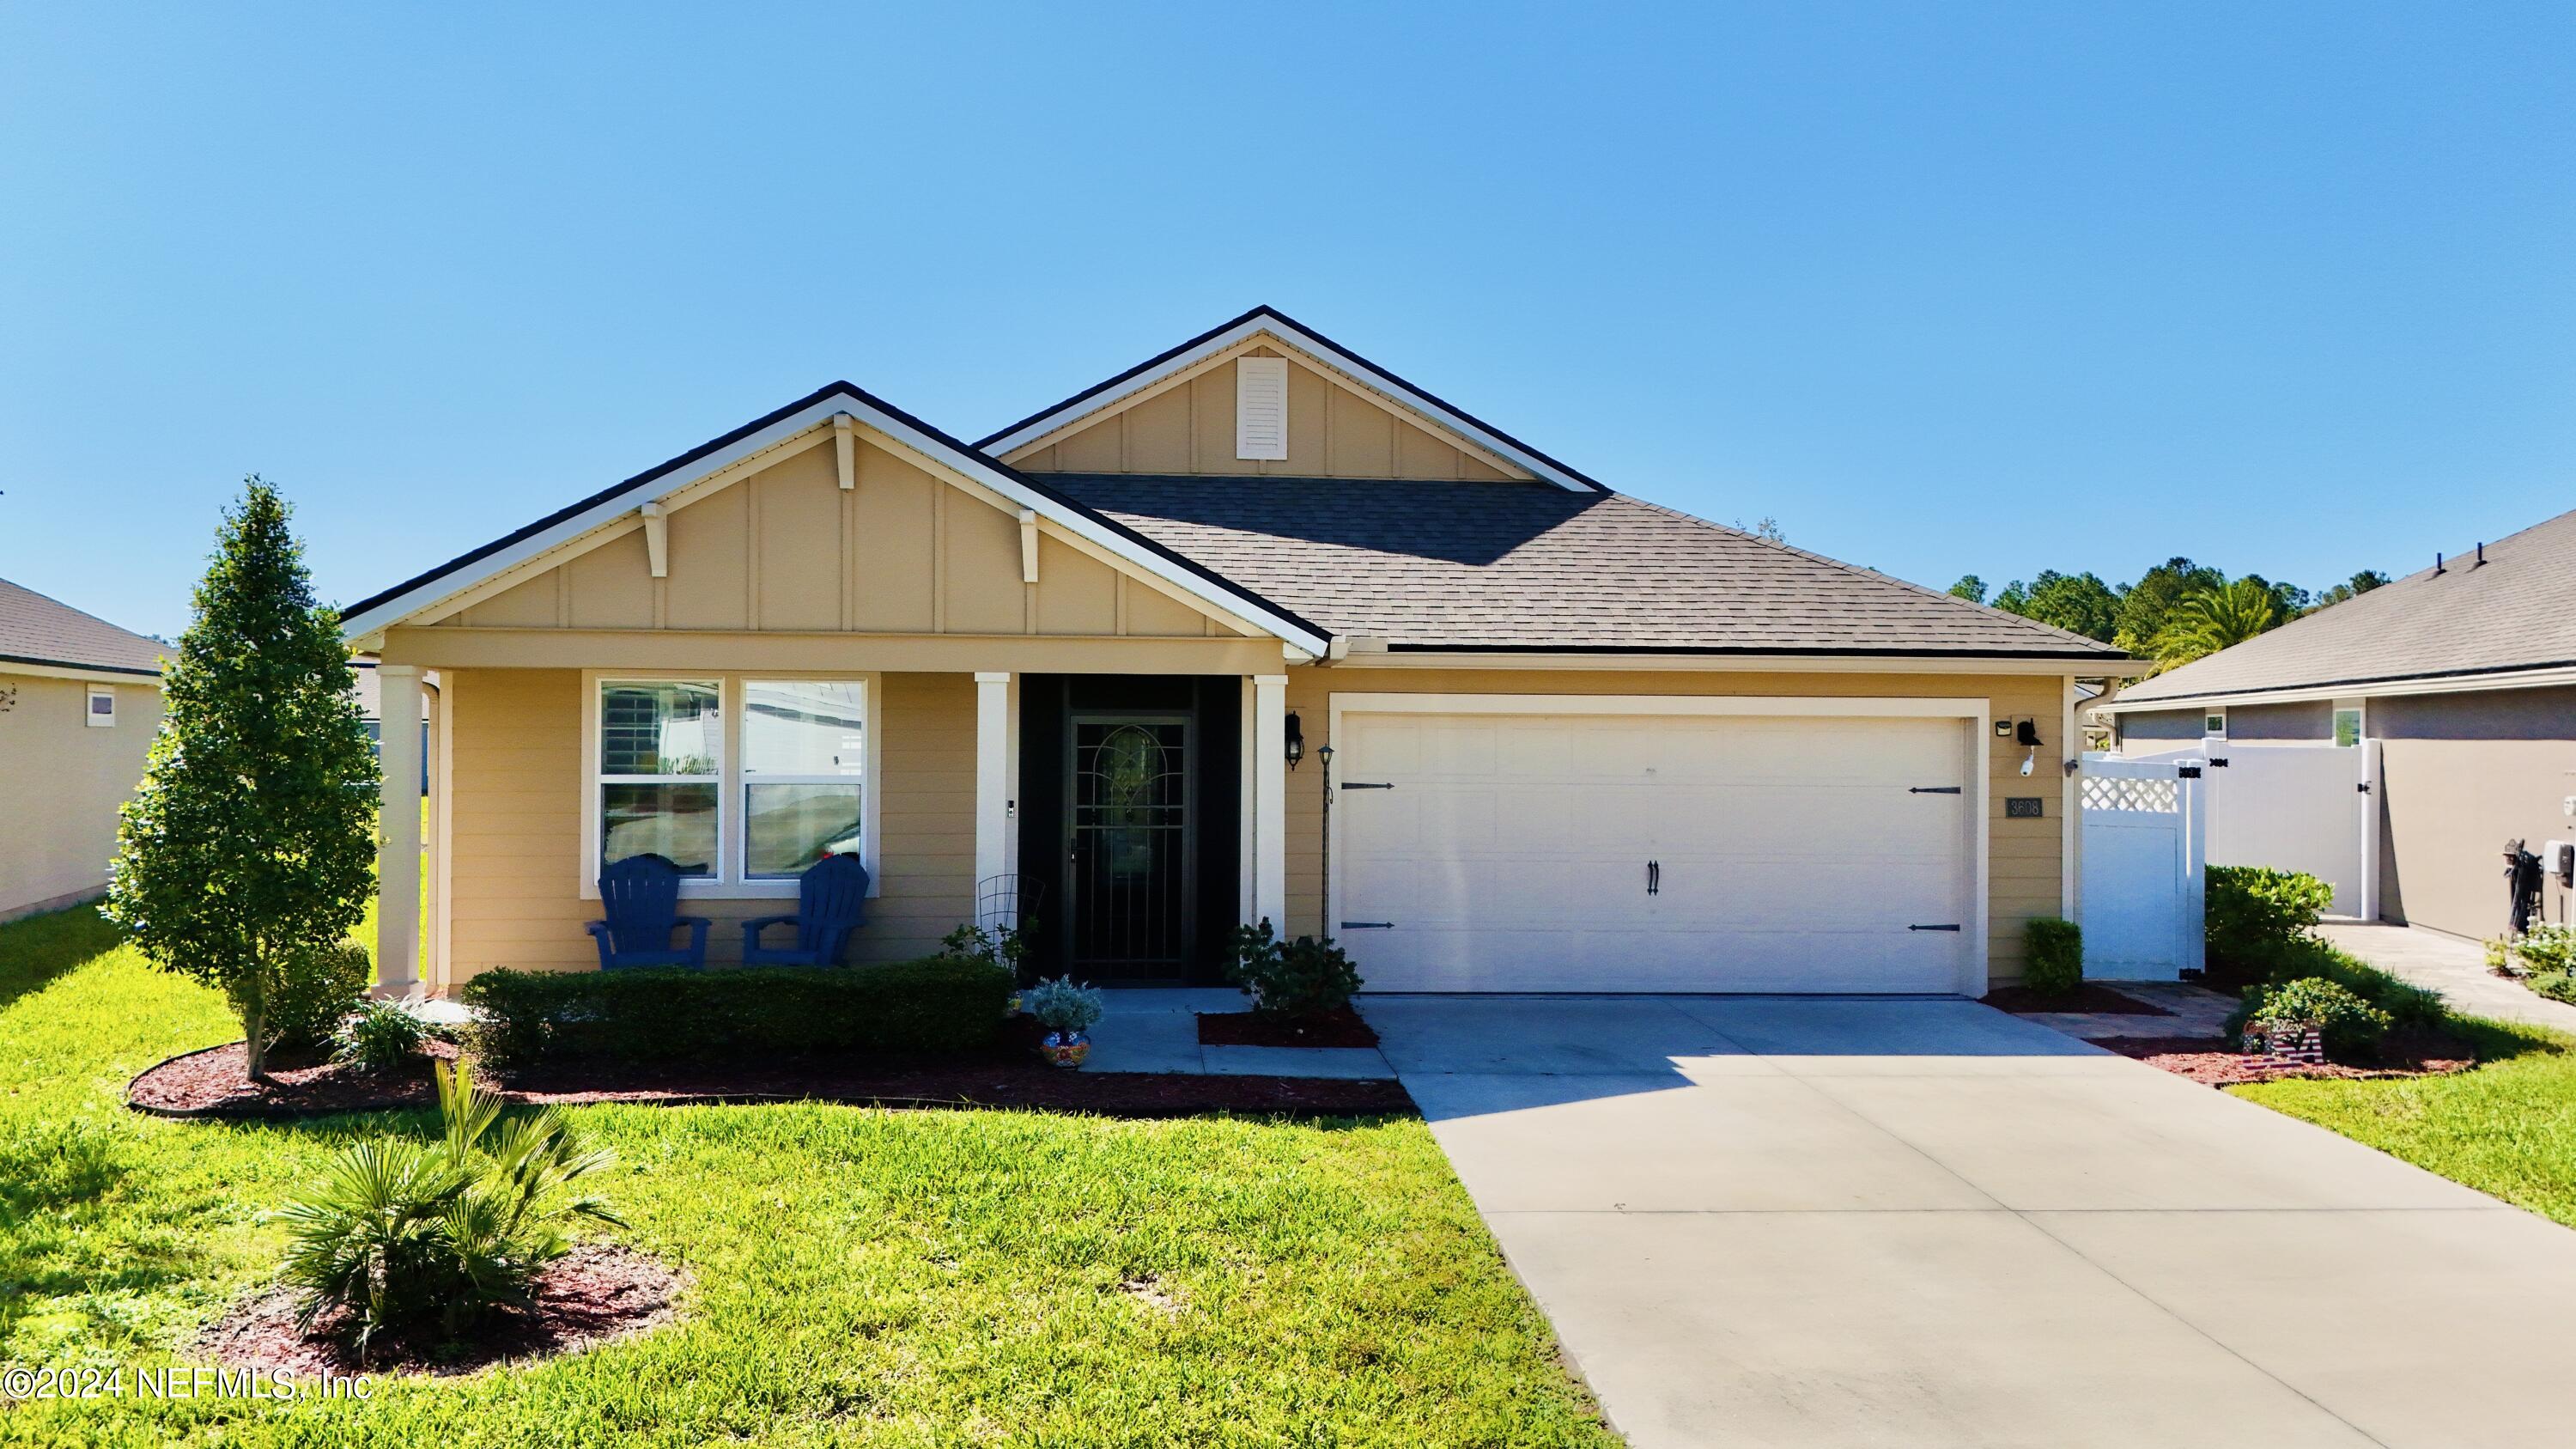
x,y
1129,892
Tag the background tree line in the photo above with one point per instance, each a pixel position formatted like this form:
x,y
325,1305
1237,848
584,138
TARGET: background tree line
x,y
2175,613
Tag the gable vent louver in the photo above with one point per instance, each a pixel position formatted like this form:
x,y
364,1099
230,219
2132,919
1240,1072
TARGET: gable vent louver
x,y
1261,408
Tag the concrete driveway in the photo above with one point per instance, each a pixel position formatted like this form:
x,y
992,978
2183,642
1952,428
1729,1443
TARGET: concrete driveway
x,y
1923,1222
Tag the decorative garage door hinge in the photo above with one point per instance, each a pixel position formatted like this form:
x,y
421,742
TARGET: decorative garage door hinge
x,y
1368,925
1355,785
1932,790
1951,927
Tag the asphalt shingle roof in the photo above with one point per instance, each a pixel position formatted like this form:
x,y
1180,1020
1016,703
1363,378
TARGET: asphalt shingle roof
x,y
2515,611
1534,566
38,630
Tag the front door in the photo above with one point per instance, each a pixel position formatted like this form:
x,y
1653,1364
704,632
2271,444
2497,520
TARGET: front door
x,y
1130,885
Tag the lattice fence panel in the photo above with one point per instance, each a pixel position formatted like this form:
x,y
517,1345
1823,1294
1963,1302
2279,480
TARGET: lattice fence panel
x,y
2150,797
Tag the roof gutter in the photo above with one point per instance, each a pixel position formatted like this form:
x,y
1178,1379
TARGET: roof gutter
x,y
2455,681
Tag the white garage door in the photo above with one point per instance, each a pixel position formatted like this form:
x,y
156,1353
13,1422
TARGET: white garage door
x,y
1510,852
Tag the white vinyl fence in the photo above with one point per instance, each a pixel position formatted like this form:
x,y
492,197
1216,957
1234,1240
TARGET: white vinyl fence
x,y
2300,807
2144,832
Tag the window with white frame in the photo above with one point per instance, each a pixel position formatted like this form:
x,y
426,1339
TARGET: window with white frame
x,y
661,745
804,773
2214,724
743,783
102,706
2347,723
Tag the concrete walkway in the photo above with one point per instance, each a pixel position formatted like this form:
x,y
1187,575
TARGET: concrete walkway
x,y
2451,966
1822,1222
1156,1029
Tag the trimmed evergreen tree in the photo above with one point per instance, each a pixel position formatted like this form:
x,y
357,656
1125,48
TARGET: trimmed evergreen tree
x,y
252,839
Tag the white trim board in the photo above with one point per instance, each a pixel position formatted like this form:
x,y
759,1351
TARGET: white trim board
x,y
1975,714
1288,335
620,509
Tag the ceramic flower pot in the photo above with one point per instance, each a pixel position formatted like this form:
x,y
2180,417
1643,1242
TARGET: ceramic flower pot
x,y
1065,1051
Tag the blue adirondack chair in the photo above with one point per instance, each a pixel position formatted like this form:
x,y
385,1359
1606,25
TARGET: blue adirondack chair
x,y
640,895
831,902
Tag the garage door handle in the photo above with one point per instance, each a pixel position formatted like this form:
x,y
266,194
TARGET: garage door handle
x,y
1368,925
1654,877
1932,928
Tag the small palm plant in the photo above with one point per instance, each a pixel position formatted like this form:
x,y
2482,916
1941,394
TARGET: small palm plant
x,y
402,1234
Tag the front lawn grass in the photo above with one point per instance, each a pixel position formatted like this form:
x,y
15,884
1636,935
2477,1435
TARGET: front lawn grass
x,y
2506,1127
859,1275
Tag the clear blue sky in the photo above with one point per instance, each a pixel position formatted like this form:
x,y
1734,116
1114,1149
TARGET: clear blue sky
x,y
2285,288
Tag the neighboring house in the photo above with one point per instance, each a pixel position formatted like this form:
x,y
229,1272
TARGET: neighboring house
x,y
1579,742
364,684
80,700
2463,675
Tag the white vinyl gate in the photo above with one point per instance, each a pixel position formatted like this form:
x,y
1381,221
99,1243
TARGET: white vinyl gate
x,y
2300,807
2144,824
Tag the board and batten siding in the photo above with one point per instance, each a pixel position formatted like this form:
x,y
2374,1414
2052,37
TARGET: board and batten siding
x,y
788,550
516,802
2024,875
1334,431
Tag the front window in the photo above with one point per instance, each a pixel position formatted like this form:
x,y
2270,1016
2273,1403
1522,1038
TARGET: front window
x,y
660,745
804,773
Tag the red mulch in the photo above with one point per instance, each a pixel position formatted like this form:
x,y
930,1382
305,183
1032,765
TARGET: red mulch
x,y
1340,1027
594,1293
2087,997
2406,1053
210,1084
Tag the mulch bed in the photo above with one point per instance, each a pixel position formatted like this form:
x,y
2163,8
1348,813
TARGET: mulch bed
x,y
2416,1053
1340,1027
209,1083
595,1293
2088,997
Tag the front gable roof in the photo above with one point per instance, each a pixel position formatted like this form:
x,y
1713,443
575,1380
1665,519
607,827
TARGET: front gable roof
x,y
1269,322
567,525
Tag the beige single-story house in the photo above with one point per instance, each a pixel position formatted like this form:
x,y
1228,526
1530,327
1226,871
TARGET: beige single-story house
x,y
80,700
2462,676
1253,630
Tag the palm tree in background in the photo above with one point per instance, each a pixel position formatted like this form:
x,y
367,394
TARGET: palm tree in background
x,y
2210,619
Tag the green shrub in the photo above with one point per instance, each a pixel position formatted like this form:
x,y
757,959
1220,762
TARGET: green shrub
x,y
2556,985
2308,958
664,1014
2056,963
1063,1006
380,1037
2548,948
2252,912
403,1234
309,991
1295,979
1007,948
2352,1027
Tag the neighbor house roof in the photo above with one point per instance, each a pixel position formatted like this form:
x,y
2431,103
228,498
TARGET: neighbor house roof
x,y
38,630
1533,566
2514,612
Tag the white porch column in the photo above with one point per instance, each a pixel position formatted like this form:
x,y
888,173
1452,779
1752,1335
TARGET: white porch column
x,y
1270,800
992,778
398,830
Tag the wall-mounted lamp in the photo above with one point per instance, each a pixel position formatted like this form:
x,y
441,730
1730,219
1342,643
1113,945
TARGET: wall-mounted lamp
x,y
1296,740
2026,735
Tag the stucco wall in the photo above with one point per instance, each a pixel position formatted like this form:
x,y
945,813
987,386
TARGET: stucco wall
x,y
63,780
2462,774
2159,732
2025,870
517,811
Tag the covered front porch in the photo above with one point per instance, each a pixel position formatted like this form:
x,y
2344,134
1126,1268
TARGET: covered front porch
x,y
1130,818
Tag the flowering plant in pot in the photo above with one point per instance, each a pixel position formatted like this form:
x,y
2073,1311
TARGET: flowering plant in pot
x,y
1068,1010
